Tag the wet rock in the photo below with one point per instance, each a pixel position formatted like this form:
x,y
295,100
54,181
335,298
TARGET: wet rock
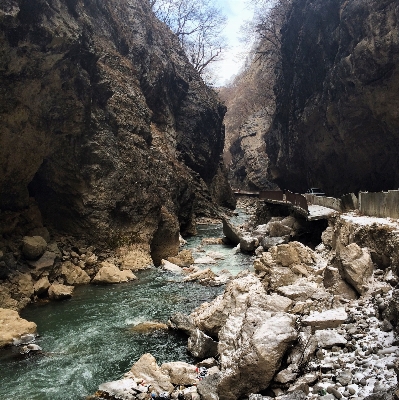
x,y
148,326
205,260
204,276
180,373
231,232
33,247
169,266
60,292
13,326
183,259
146,368
109,273
201,345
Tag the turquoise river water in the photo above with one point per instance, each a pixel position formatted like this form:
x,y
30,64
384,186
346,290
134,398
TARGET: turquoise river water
x,y
87,341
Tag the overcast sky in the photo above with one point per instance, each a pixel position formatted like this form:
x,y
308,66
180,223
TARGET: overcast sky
x,y
237,12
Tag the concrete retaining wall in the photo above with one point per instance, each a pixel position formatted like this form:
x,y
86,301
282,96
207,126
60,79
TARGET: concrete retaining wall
x,y
381,204
330,202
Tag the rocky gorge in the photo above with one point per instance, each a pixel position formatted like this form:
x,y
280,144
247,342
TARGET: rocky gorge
x,y
304,324
110,145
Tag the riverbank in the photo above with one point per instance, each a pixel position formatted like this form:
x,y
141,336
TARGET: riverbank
x,y
104,322
308,324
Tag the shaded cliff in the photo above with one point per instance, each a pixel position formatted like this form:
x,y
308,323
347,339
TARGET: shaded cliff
x,y
250,106
104,123
337,121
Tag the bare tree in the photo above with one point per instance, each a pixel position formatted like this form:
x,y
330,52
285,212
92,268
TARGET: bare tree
x,y
198,24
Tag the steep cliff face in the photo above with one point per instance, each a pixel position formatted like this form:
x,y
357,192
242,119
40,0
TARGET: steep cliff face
x,y
250,106
337,117
104,122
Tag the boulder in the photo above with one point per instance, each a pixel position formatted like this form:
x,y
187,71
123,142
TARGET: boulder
x,y
33,247
109,273
74,275
41,286
146,368
326,319
333,281
183,322
43,232
60,292
328,338
327,237
208,387
251,348
123,389
292,253
299,291
202,275
201,345
231,232
248,243
267,242
356,266
13,326
183,259
246,288
180,373
278,229
44,264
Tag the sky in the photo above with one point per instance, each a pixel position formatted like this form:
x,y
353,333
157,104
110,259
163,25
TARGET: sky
x,y
237,13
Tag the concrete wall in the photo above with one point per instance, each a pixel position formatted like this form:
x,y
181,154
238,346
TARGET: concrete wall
x,y
381,204
330,202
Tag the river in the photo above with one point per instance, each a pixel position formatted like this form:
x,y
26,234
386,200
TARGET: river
x,y
87,340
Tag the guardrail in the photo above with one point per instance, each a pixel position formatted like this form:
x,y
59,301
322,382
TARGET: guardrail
x,y
295,199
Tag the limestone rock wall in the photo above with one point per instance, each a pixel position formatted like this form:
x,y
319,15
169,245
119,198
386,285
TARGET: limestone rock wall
x,y
337,121
104,121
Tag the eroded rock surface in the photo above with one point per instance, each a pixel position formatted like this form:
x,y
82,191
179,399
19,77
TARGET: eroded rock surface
x,y
13,326
124,138
336,109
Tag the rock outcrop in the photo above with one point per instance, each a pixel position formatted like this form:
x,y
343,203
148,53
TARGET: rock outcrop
x,y
13,326
337,124
124,139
